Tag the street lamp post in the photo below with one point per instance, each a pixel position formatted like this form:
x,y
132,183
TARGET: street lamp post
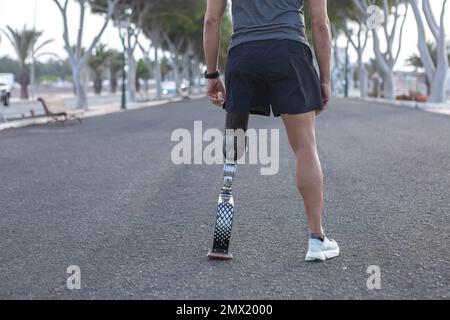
x,y
346,70
123,105
123,23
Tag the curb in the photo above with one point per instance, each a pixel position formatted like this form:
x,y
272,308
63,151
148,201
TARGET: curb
x,y
23,123
95,113
441,108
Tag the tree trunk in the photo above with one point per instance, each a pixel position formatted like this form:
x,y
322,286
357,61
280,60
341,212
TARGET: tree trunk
x,y
24,91
85,79
24,81
376,87
158,75
386,69
335,71
428,84
131,78
389,86
363,76
146,89
195,74
98,85
439,87
33,78
439,83
137,84
78,60
176,73
425,55
113,83
186,67
80,88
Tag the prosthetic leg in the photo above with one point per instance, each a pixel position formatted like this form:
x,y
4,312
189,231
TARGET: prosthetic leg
x,y
225,207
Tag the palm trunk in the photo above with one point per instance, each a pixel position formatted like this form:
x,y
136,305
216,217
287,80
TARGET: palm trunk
x,y
137,84
33,78
24,84
98,85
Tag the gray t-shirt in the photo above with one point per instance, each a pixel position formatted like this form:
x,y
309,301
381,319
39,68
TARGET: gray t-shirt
x,y
255,20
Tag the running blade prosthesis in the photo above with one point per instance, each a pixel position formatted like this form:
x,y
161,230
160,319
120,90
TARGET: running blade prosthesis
x,y
224,222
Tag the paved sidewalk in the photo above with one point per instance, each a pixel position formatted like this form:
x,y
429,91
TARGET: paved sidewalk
x,y
440,108
23,108
94,111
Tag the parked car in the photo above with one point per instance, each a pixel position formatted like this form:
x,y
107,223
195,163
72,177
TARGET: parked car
x,y
5,92
168,88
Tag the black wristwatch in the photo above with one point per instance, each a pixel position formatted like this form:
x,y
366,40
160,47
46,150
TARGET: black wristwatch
x,y
213,75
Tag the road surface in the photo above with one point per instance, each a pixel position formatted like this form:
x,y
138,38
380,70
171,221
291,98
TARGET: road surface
x,y
106,197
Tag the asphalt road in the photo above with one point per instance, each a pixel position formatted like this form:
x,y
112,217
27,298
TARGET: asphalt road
x,y
105,196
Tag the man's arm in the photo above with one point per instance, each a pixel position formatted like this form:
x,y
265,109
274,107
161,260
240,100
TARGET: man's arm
x,y
211,37
211,42
321,30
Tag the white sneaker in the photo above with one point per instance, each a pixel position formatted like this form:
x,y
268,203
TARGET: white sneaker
x,y
322,250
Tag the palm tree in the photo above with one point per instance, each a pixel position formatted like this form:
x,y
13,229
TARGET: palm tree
x,y
98,64
415,61
143,72
36,54
115,62
24,42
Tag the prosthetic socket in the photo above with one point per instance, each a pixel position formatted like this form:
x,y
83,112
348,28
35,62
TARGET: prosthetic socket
x,y
234,147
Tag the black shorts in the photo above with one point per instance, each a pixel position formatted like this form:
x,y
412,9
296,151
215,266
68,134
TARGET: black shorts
x,y
272,75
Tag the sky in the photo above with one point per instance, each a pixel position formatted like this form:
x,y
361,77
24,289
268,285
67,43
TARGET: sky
x,y
45,16
17,13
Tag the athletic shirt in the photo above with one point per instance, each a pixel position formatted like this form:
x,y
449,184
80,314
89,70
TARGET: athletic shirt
x,y
255,20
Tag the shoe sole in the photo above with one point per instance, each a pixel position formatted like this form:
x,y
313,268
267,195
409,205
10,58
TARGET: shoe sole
x,y
322,256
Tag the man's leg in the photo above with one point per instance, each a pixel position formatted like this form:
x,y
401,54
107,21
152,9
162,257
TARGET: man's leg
x,y
301,130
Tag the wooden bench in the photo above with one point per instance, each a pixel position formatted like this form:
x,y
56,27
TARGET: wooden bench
x,y
56,109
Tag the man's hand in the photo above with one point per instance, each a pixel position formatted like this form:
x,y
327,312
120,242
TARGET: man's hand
x,y
216,92
326,94
326,97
